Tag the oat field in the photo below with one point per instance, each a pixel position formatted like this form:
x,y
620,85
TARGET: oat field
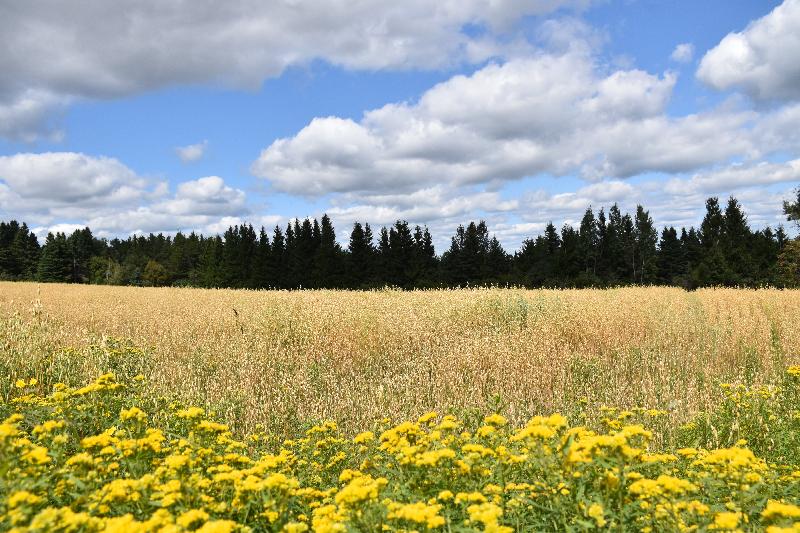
x,y
282,359
635,409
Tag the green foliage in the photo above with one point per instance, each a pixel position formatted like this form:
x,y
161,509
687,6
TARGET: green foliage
x,y
767,419
154,274
109,456
55,263
789,264
609,249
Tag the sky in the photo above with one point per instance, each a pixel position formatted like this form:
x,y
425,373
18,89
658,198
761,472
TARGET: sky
x,y
142,116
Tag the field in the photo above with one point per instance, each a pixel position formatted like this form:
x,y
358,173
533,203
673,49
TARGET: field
x,y
676,410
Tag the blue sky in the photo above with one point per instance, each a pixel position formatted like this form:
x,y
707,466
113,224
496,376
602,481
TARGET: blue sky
x,y
518,112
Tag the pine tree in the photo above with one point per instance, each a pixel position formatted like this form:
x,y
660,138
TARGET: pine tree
x,y
531,262
499,263
361,259
262,268
452,263
589,245
401,255
692,251
307,241
80,245
430,264
645,237
384,258
551,266
210,267
473,252
290,277
278,264
570,260
604,266
670,262
328,266
55,263
8,265
737,244
713,267
19,251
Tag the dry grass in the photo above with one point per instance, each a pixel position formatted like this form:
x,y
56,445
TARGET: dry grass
x,y
283,359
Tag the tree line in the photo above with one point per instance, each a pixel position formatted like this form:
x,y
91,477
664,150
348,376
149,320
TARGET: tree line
x,y
606,249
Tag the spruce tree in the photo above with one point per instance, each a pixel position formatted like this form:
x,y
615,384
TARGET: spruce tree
x,y
361,259
499,262
55,262
570,259
713,267
384,257
328,266
81,250
262,268
290,272
737,245
452,263
670,267
430,270
401,255
278,264
589,246
210,267
646,238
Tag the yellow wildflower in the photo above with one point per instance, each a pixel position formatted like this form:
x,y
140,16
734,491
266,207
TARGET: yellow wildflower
x,y
725,521
595,511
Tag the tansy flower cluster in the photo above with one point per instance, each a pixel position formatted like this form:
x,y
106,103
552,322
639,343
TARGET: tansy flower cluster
x,y
107,457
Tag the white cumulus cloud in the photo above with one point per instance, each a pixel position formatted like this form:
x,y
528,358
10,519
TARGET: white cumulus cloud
x,y
550,113
762,60
57,190
54,52
70,178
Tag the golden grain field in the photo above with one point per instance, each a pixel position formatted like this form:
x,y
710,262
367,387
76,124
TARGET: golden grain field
x,y
284,359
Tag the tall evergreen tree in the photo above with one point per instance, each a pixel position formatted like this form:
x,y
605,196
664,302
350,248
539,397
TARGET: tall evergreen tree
x,y
361,260
604,266
19,251
737,244
262,270
645,256
210,268
671,266
429,265
55,262
384,258
328,260
570,258
401,255
81,250
589,248
713,267
499,262
278,264
552,264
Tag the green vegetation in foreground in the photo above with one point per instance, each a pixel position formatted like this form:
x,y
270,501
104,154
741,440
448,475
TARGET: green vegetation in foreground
x,y
110,456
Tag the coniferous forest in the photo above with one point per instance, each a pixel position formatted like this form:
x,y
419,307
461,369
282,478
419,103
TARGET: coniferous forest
x,y
608,248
